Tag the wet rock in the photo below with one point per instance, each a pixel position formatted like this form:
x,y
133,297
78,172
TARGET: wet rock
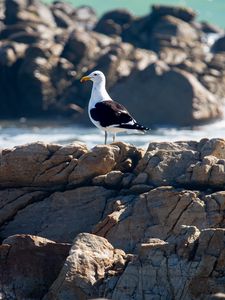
x,y
29,265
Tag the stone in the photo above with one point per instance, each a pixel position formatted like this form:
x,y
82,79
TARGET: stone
x,y
199,104
61,216
114,22
104,159
29,265
92,259
171,29
28,11
38,164
183,13
219,45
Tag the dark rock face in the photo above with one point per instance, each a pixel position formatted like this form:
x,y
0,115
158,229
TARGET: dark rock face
x,y
219,45
44,50
161,102
137,220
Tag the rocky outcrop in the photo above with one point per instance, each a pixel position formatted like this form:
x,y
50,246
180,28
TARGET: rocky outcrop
x,y
44,50
141,223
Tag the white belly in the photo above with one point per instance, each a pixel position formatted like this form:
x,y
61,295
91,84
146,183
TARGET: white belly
x,y
109,128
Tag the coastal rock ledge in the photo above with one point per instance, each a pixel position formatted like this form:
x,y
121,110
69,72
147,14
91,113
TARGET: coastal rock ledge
x,y
115,221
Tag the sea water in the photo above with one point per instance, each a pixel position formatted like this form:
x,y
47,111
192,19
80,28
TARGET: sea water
x,y
14,133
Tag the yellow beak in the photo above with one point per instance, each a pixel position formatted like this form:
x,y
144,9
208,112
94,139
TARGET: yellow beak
x,y
85,78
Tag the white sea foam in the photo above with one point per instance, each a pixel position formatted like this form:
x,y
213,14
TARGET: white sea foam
x,y
12,134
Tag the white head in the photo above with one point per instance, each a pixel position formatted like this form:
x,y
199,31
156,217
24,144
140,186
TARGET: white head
x,y
95,77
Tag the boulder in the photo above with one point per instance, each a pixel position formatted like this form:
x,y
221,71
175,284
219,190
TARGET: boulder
x,y
171,31
157,31
92,259
114,22
24,11
198,104
67,16
183,13
29,265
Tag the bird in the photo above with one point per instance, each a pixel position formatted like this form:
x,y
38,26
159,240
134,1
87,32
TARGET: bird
x,y
107,114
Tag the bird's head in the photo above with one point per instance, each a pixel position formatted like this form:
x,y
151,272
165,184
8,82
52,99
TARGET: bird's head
x,y
95,76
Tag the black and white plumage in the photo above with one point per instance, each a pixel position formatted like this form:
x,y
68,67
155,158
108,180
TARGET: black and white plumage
x,y
106,114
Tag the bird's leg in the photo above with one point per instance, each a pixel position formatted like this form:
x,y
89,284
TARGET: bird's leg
x,y
114,137
106,135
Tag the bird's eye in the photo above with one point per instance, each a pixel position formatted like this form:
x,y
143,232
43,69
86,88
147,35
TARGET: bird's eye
x,y
95,74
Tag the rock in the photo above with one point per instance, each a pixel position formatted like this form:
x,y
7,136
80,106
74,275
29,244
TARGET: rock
x,y
104,159
196,165
61,216
114,22
172,267
108,27
85,16
199,104
171,31
67,16
29,265
92,260
183,13
28,11
164,208
219,45
38,164
210,28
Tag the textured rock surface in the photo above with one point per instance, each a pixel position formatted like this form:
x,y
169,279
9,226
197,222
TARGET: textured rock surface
x,y
45,49
144,224
29,265
92,260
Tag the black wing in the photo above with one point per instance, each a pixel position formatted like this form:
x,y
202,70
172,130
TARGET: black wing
x,y
109,113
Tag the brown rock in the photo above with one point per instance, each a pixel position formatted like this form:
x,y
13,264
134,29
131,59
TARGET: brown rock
x,y
103,159
29,265
60,217
91,261
38,164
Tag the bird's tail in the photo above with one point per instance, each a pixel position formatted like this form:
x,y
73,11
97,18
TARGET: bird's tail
x,y
134,126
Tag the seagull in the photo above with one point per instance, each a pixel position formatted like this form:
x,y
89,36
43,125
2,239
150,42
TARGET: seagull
x,y
106,114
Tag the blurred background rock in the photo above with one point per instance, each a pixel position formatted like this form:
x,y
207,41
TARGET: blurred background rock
x,y
165,65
